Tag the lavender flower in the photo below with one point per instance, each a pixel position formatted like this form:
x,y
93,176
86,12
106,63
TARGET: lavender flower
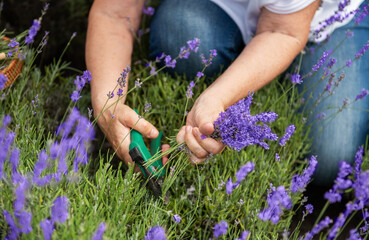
x,y
277,200
176,218
47,228
348,63
331,62
13,43
138,83
220,228
39,168
349,33
321,115
14,230
362,51
148,11
336,226
169,62
193,45
147,107
120,92
341,183
362,95
184,53
296,78
122,80
244,235
20,193
358,161
237,128
317,228
277,158
59,210
199,74
24,219
110,94
36,24
14,160
189,92
299,182
3,80
288,133
361,186
354,235
209,61
309,208
321,60
75,96
244,171
240,175
155,233
362,15
100,232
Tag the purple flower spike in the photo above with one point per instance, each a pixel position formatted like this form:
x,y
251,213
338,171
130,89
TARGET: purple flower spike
x,y
14,160
193,45
317,228
189,92
348,63
288,133
36,24
59,210
148,11
229,186
361,186
155,233
100,232
321,60
176,218
277,200
296,78
362,95
3,80
244,235
243,171
169,62
220,228
358,161
24,221
20,193
47,229
299,182
362,15
341,183
40,166
362,51
199,74
14,231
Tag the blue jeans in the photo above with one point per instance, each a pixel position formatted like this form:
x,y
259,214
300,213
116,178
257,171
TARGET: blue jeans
x,y
337,137
177,21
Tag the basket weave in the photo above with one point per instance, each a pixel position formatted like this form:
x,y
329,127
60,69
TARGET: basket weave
x,y
13,70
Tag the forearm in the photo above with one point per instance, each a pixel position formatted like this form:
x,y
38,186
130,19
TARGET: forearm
x,y
265,57
109,47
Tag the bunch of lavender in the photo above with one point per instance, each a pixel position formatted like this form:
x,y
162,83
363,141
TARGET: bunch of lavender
x,y
237,128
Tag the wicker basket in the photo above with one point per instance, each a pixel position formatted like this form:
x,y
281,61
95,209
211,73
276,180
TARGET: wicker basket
x,y
13,70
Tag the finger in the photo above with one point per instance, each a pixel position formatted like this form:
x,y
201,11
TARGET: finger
x,y
209,144
207,128
193,145
195,160
181,135
165,147
132,120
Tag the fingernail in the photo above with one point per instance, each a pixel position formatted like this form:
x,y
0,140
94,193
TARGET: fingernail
x,y
188,129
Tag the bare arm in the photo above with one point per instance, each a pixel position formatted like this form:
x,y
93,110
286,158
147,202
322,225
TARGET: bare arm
x,y
278,40
109,43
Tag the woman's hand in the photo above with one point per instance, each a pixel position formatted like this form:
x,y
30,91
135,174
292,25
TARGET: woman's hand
x,y
200,122
116,125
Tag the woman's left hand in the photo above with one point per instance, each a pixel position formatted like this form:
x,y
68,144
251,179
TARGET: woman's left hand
x,y
200,122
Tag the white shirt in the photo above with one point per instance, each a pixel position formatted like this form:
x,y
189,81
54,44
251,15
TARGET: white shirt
x,y
245,13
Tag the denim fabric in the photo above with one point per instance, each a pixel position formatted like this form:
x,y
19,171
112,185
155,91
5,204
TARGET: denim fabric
x,y
177,21
338,136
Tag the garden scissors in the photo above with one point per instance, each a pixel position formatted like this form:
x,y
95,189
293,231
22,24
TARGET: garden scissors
x,y
154,172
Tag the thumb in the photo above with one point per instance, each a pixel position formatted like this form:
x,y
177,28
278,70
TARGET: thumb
x,y
206,122
131,119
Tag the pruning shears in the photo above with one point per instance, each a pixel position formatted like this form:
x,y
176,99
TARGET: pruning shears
x,y
153,171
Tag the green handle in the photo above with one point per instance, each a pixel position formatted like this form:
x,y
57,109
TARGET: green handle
x,y
156,168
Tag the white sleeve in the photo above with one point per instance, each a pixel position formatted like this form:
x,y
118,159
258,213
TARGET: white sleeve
x,y
287,6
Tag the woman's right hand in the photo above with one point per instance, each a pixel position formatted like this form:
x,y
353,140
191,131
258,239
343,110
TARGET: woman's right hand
x,y
116,123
